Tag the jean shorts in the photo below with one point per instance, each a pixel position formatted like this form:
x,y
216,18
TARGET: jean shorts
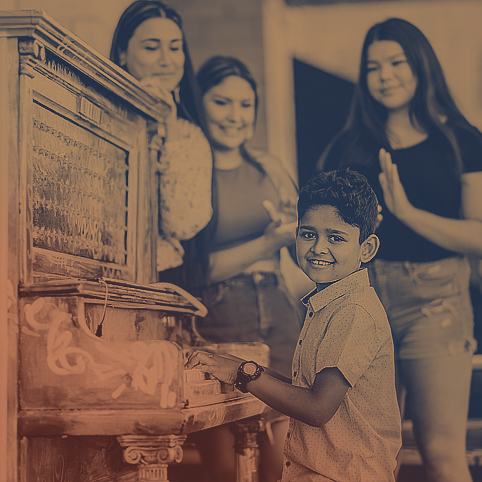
x,y
253,307
428,306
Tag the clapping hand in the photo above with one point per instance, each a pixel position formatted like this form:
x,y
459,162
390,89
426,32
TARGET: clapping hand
x,y
393,190
283,223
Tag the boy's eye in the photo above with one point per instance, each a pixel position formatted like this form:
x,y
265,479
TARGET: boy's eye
x,y
307,235
335,238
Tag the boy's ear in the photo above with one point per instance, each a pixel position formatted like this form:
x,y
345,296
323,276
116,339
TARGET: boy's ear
x,y
369,248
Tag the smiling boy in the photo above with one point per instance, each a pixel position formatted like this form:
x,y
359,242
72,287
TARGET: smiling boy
x,y
341,399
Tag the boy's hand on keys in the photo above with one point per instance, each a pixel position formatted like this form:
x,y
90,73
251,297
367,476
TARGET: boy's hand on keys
x,y
224,368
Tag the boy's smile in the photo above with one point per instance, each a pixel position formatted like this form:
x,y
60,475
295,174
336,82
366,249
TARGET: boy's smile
x,y
327,248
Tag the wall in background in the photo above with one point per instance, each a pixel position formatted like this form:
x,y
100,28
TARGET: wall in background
x,y
227,27
330,37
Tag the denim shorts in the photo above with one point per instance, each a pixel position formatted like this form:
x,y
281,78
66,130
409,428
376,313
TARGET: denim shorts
x,y
428,306
253,307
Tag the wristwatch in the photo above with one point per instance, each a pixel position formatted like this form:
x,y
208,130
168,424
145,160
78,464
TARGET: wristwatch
x,y
247,372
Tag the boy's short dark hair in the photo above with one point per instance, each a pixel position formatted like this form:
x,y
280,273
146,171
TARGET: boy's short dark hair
x,y
348,192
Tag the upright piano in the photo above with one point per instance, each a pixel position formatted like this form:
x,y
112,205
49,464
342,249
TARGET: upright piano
x,y
93,386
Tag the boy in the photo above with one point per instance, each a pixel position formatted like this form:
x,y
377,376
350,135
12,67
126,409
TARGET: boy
x,y
341,400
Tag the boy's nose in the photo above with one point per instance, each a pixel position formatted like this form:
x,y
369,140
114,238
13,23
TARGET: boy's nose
x,y
319,247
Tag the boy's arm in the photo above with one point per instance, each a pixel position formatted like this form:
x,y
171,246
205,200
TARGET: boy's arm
x,y
314,406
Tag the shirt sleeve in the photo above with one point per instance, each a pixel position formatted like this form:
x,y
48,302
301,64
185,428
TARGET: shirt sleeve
x,y
470,145
185,183
350,344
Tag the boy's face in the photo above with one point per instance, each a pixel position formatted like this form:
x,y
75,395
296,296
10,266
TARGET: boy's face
x,y
327,248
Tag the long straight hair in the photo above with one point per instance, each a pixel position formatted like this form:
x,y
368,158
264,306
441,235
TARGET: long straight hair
x,y
189,107
194,270
431,107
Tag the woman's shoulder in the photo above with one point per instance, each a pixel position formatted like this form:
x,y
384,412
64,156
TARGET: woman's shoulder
x,y
267,161
187,129
279,175
469,140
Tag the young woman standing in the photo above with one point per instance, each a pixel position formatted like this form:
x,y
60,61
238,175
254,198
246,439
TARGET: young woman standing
x,y
424,161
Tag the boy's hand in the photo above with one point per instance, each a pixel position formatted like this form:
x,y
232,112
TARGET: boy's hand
x,y
224,368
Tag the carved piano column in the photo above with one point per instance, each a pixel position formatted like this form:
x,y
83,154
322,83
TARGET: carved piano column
x,y
246,448
152,454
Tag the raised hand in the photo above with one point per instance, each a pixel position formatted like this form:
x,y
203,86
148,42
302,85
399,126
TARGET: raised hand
x,y
393,190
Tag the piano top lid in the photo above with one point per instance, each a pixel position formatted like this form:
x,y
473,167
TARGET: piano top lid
x,y
38,25
117,292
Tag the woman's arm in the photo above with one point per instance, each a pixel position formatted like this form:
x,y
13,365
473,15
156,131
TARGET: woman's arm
x,y
232,261
185,183
459,235
314,406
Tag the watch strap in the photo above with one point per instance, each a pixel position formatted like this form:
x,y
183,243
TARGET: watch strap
x,y
243,378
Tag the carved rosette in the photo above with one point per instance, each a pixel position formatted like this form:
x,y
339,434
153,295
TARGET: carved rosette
x,y
31,51
152,454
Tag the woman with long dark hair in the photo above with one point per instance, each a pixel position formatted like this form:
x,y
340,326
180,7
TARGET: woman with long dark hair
x,y
424,161
149,43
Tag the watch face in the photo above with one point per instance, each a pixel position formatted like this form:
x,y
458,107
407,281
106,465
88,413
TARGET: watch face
x,y
250,368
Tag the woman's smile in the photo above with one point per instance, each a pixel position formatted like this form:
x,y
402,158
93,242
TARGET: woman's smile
x,y
230,112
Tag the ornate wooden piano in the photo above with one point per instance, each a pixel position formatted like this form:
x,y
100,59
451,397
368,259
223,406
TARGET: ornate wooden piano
x,y
93,384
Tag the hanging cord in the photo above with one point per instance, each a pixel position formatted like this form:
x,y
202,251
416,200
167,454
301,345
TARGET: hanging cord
x,y
99,326
200,309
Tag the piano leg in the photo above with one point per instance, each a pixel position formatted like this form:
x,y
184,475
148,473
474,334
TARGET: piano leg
x,y
152,454
246,448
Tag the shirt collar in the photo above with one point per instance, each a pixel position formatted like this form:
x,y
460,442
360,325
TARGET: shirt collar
x,y
318,300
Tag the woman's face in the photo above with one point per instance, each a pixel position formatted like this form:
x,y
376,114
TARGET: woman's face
x,y
230,112
390,79
155,49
